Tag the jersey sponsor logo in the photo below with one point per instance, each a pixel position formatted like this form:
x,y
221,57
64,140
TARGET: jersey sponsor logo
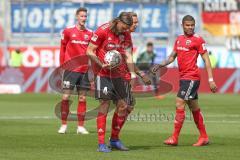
x,y
86,37
125,45
94,38
183,48
105,90
74,35
111,46
188,42
79,42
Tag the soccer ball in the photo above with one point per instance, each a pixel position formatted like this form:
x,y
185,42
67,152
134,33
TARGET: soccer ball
x,y
113,58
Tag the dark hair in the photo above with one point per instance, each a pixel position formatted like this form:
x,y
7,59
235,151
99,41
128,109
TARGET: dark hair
x,y
188,18
149,44
81,9
133,14
124,17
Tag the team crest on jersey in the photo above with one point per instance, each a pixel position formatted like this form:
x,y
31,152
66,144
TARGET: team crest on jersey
x,y
86,37
188,42
94,38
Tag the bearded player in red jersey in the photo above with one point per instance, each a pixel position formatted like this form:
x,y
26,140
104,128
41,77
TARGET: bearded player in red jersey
x,y
74,43
109,82
118,121
187,47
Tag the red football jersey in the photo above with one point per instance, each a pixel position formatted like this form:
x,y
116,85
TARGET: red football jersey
x,y
74,43
106,40
126,75
188,48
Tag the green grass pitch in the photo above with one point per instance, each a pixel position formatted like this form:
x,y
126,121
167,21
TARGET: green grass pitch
x,y
28,130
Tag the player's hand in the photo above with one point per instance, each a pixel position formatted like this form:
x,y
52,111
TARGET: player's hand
x,y
154,69
106,66
146,80
213,86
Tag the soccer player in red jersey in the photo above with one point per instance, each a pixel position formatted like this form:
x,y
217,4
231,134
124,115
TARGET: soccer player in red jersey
x,y
187,47
118,121
75,40
109,83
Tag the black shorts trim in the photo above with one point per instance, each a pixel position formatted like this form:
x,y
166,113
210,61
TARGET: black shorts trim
x,y
75,79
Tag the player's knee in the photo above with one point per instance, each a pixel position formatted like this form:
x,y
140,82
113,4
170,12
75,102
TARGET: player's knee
x,y
180,103
103,107
122,109
194,108
65,96
193,105
121,106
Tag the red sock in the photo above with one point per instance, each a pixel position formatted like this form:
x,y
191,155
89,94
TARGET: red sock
x,y
198,119
101,127
64,111
81,111
117,124
178,122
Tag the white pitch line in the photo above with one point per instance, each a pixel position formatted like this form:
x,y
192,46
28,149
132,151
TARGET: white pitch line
x,y
187,121
223,115
133,120
26,117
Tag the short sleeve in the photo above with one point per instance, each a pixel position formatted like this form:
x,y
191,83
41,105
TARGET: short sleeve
x,y
202,46
98,37
64,37
175,45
